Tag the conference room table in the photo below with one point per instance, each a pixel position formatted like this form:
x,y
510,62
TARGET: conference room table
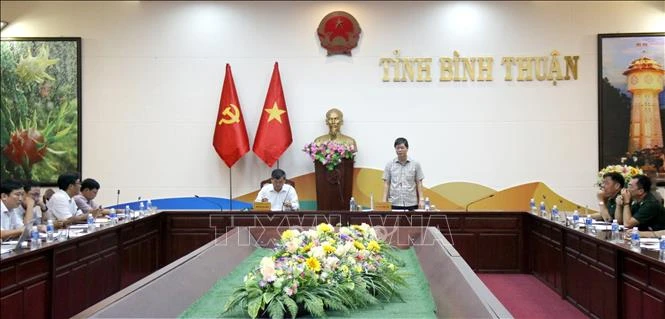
x,y
601,278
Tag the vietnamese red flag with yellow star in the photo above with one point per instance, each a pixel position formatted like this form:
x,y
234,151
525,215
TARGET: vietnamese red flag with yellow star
x,y
273,136
230,139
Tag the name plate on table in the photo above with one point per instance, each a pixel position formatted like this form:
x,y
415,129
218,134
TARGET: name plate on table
x,y
382,207
262,206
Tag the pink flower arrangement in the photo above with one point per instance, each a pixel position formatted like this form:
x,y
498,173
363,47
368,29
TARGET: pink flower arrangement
x,y
330,153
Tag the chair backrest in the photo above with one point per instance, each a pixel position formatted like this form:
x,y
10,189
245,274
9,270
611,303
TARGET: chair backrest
x,y
267,181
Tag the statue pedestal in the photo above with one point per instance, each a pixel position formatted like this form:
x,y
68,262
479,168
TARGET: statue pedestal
x,y
334,188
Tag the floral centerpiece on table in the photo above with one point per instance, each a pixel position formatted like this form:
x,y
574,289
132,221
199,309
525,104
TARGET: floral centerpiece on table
x,y
625,170
330,153
320,269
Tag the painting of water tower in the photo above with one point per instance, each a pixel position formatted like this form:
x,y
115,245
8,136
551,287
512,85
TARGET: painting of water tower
x,y
631,109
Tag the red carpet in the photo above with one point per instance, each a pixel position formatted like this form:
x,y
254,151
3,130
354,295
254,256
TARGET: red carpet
x,y
526,297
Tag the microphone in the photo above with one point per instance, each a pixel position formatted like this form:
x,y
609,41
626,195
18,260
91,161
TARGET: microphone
x,y
285,198
117,199
466,209
209,201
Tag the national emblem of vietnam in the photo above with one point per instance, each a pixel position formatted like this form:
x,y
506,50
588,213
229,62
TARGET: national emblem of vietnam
x,y
339,32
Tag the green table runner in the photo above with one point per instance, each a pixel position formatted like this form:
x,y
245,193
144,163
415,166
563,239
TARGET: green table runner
x,y
417,296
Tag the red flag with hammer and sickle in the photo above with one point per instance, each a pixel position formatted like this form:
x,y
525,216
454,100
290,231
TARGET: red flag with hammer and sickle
x,y
230,139
273,136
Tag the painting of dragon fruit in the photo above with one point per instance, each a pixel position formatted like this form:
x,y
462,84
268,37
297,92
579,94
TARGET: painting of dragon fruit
x,y
41,108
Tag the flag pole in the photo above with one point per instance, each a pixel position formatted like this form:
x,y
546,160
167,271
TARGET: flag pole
x,y
230,189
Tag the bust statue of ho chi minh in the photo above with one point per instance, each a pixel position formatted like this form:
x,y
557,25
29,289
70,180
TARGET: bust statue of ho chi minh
x,y
334,120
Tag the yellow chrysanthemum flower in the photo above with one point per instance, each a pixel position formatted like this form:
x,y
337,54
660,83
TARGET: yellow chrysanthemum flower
x,y
308,247
358,245
358,268
288,235
313,264
391,267
358,228
373,246
329,249
325,228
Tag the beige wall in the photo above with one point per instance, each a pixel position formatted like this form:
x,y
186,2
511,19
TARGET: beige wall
x,y
152,75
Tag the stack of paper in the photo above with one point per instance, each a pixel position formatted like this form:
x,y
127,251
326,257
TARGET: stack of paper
x,y
650,243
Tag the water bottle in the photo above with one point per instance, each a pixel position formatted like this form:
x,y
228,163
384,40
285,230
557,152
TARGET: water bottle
x,y
35,242
49,231
428,207
352,204
91,223
532,205
661,254
616,237
113,217
543,210
635,239
555,214
371,201
576,220
141,211
588,223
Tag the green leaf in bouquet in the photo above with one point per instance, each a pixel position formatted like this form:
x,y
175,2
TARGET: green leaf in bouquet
x,y
334,300
253,306
268,296
275,309
291,305
238,296
254,292
314,305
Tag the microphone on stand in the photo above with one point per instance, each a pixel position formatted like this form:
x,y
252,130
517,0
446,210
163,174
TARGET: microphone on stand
x,y
285,198
221,209
466,209
117,199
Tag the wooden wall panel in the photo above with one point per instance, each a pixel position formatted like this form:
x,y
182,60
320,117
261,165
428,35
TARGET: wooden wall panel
x,y
498,252
12,305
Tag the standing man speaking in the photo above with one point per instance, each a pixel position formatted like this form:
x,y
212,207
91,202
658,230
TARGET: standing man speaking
x,y
403,179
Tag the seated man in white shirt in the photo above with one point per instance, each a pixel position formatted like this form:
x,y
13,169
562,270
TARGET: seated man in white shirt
x,y
61,205
281,196
11,223
38,217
